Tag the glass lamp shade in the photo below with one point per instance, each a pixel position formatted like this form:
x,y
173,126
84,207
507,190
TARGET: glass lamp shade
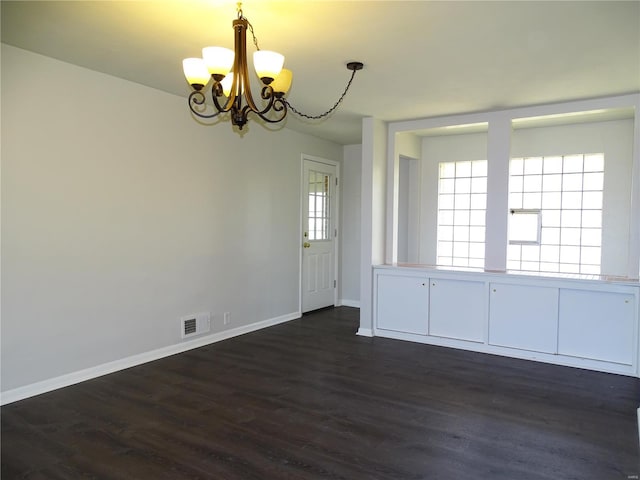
x,y
218,60
282,83
226,83
195,71
267,64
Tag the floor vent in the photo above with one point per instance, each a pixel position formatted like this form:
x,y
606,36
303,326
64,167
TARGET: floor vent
x,y
195,324
189,326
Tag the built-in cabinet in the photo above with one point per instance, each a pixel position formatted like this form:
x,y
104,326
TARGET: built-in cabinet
x,y
411,294
584,323
456,309
598,325
524,317
412,302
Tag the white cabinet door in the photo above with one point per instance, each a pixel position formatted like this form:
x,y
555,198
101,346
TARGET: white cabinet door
x,y
523,316
597,325
457,309
402,303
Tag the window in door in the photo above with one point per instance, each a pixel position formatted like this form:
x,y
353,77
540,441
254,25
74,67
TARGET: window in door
x,y
319,206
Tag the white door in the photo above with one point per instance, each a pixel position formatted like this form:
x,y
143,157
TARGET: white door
x,y
318,237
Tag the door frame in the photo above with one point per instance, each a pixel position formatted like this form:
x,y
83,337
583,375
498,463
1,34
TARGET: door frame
x,y
336,223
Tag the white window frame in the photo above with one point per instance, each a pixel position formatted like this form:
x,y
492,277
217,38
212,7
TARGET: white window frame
x,y
528,212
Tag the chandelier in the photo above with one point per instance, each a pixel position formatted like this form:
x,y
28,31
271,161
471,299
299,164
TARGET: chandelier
x,y
228,73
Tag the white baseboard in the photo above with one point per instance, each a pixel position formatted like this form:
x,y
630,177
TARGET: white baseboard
x,y
365,332
345,302
72,378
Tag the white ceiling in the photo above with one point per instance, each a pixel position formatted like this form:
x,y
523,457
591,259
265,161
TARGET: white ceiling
x,y
422,58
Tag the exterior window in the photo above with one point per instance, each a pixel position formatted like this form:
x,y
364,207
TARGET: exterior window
x,y
565,193
319,208
462,201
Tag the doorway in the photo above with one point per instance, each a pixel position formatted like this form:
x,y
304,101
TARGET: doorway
x,y
319,233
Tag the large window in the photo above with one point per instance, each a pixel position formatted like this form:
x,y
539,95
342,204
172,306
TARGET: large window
x,y
564,195
462,200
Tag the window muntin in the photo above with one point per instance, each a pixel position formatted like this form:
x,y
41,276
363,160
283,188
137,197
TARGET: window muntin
x,y
462,201
568,191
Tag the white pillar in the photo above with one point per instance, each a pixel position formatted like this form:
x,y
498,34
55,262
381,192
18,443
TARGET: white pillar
x,y
373,207
498,154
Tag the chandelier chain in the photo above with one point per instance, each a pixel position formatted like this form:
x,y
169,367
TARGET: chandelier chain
x,y
241,15
255,40
322,115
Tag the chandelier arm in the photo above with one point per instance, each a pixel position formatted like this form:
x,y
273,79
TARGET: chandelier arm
x,y
335,105
197,98
279,105
216,92
267,93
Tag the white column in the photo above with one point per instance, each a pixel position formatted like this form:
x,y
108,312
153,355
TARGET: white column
x,y
373,207
633,270
393,183
498,154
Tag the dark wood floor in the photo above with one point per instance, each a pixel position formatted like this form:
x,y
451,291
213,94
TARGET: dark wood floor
x,y
311,400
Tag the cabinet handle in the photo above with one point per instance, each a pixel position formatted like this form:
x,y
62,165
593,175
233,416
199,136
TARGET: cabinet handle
x,y
423,284
433,284
494,290
626,301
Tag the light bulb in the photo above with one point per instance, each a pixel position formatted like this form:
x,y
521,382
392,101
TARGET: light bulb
x,y
267,64
218,60
227,83
282,83
196,72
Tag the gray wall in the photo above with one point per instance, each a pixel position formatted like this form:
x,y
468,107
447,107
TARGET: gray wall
x,y
350,240
121,214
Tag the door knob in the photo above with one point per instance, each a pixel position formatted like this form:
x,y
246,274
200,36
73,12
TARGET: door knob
x,y
306,244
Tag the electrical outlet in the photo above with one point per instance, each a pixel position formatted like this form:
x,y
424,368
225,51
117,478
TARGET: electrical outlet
x,y
227,318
